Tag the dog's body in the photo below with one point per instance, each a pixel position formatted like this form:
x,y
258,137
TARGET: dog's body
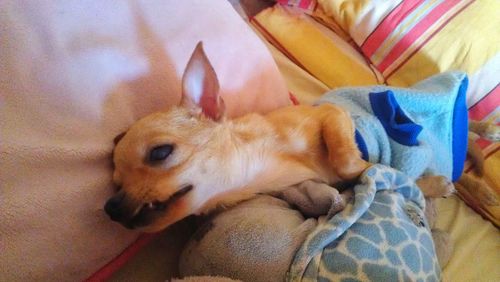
x,y
189,159
285,147
254,154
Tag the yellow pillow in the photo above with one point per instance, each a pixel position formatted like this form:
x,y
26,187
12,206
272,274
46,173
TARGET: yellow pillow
x,y
315,48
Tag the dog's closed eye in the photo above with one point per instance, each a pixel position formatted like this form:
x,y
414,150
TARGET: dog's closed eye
x,y
159,153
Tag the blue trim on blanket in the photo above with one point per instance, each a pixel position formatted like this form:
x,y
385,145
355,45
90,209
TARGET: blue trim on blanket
x,y
395,122
361,145
460,131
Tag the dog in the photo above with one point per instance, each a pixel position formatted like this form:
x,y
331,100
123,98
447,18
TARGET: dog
x,y
191,158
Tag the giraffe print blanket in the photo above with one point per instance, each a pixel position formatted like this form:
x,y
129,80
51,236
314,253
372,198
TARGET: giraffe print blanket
x,y
382,236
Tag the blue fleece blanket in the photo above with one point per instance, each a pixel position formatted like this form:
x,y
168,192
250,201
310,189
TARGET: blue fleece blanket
x,y
381,236
418,130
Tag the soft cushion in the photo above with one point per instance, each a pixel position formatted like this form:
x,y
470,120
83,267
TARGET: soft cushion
x,y
74,74
408,41
322,53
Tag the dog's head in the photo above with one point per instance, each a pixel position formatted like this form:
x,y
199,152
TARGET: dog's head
x,y
155,168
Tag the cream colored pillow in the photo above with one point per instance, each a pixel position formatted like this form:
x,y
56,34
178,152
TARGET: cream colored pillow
x,y
73,75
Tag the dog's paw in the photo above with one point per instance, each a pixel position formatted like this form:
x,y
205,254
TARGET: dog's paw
x,y
492,132
445,186
436,186
486,129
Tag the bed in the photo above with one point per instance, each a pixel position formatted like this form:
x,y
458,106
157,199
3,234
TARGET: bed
x,y
54,185
477,241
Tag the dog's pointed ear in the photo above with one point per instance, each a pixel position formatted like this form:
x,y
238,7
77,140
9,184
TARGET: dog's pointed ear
x,y
200,86
119,137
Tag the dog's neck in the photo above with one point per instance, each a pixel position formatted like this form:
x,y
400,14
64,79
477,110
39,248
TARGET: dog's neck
x,y
253,158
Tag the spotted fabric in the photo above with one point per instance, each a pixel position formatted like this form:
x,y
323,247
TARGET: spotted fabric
x,y
382,236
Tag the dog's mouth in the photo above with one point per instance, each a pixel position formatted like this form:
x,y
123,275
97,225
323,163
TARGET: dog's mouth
x,y
149,212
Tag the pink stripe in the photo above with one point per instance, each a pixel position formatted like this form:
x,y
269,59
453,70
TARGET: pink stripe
x,y
384,29
416,32
294,100
486,106
107,271
425,41
304,4
483,143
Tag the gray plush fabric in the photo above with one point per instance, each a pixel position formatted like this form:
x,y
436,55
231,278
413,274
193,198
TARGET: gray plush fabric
x,y
314,199
241,246
257,239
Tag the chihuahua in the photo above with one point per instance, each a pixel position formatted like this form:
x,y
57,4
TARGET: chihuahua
x,y
191,158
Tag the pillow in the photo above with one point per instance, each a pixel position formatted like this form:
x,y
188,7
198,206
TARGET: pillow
x,y
318,50
408,41
74,74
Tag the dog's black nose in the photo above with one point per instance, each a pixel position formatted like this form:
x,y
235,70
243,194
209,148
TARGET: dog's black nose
x,y
113,207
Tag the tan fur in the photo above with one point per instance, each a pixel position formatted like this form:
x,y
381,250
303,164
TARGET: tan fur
x,y
479,188
226,161
233,160
435,186
486,129
474,184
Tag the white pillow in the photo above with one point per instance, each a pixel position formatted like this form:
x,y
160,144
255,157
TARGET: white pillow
x,y
74,74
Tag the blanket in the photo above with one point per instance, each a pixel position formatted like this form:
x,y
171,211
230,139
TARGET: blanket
x,y
382,236
418,130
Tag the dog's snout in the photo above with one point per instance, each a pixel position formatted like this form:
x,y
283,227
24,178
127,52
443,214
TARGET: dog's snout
x,y
113,207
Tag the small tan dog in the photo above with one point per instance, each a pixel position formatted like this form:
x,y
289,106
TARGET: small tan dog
x,y
189,159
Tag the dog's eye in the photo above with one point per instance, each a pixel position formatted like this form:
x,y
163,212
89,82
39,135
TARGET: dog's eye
x,y
160,153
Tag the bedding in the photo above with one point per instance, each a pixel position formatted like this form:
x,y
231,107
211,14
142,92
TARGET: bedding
x,y
388,210
418,130
74,74
408,41
476,240
383,230
55,56
404,42
284,28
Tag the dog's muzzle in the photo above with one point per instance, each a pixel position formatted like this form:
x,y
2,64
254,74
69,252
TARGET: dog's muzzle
x,y
113,207
133,215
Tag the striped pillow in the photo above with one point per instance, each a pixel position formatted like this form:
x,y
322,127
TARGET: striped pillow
x,y
315,48
408,41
